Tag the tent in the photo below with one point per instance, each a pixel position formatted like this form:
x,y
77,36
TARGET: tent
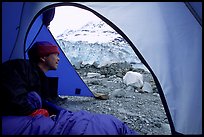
x,y
166,36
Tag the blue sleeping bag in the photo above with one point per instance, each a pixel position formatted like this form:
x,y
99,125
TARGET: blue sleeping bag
x,y
66,123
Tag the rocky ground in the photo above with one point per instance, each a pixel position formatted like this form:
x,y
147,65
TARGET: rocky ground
x,y
141,111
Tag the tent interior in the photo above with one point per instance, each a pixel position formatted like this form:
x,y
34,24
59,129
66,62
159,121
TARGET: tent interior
x,y
166,36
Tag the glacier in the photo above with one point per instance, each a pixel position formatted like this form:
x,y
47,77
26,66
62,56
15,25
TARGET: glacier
x,y
96,44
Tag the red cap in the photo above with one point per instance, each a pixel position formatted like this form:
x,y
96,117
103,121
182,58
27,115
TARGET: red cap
x,y
45,48
41,49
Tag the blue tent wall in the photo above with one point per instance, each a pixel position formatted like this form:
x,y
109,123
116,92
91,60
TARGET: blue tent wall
x,y
10,27
69,82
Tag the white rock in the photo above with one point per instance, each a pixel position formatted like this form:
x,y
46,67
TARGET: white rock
x,y
133,78
91,75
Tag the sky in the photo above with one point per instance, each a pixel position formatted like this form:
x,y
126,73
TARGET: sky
x,y
69,17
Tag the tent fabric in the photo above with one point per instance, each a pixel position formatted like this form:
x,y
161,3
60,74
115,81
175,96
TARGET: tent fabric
x,y
166,36
13,19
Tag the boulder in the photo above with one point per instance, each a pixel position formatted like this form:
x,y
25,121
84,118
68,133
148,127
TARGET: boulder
x,y
134,79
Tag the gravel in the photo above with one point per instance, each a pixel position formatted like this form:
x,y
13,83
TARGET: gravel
x,y
141,111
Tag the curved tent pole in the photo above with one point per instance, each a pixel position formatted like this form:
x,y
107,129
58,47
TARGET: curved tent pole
x,y
142,60
193,11
131,44
127,39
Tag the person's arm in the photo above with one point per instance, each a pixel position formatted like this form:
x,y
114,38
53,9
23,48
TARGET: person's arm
x,y
15,88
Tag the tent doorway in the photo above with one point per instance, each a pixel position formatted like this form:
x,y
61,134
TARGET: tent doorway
x,y
102,57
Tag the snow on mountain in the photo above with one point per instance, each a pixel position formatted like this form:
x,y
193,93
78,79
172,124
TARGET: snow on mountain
x,y
92,32
96,43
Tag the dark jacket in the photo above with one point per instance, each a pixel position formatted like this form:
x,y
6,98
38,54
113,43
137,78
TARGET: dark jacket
x,y
19,77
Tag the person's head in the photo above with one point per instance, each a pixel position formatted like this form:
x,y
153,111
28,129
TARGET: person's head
x,y
45,54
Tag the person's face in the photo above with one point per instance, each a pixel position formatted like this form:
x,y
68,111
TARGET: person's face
x,y
52,61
